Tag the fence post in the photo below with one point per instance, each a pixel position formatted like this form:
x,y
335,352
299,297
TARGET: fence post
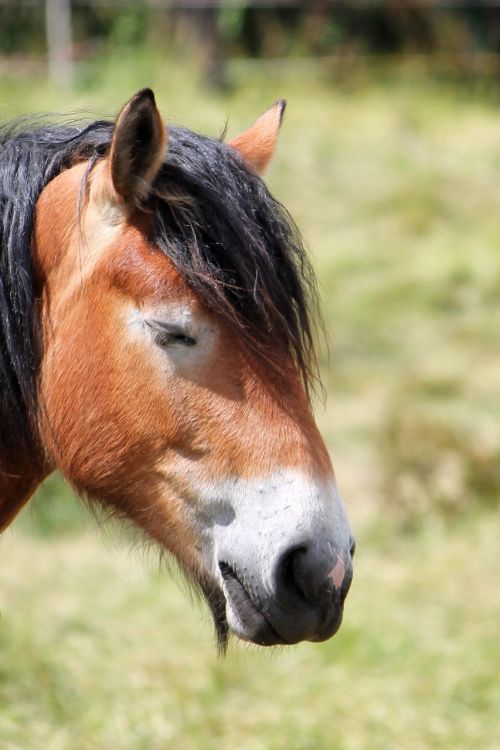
x,y
59,41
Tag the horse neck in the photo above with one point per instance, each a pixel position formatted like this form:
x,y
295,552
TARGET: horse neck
x,y
19,479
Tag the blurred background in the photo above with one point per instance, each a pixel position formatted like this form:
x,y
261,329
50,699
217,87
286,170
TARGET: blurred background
x,y
389,160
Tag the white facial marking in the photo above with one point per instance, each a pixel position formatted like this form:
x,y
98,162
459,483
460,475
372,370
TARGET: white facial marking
x,y
266,514
249,524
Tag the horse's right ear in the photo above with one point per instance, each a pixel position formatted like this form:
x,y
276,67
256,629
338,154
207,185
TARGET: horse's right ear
x,y
137,149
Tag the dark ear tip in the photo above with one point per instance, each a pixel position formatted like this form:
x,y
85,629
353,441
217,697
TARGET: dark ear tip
x,y
281,104
144,94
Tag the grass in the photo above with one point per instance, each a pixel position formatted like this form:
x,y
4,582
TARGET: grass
x,y
99,651
396,187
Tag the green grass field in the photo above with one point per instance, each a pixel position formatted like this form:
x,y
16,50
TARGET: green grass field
x,y
396,186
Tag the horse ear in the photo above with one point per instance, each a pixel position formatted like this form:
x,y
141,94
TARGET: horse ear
x,y
257,144
138,147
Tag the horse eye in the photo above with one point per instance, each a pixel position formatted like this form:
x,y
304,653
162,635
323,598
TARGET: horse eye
x,y
167,338
181,338
164,336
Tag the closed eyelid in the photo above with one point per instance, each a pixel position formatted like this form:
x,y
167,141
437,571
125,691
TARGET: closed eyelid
x,y
161,325
171,333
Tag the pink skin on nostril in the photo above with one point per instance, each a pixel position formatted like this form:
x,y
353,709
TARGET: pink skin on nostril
x,y
337,573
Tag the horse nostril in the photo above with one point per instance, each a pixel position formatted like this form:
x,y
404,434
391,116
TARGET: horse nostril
x,y
302,571
311,583
292,576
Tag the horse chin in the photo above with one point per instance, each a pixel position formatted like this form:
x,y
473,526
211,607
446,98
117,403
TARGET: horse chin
x,y
234,612
244,619
217,603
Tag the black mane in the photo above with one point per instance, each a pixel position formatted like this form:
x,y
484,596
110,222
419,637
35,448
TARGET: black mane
x,y
233,243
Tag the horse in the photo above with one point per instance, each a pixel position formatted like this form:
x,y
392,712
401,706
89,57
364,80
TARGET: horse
x,y
158,320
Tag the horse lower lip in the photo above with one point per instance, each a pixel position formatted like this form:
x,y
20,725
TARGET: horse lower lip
x,y
257,626
260,630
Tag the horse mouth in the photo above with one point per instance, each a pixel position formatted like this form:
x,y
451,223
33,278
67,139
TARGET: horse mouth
x,y
243,616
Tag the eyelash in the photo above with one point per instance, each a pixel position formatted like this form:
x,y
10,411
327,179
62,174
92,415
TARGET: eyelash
x,y
164,336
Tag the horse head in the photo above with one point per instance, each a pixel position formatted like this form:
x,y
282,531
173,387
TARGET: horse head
x,y
175,312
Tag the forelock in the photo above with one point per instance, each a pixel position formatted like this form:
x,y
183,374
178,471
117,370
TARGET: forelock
x,y
237,247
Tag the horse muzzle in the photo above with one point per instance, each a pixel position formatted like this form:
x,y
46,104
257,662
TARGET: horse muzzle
x,y
302,601
280,550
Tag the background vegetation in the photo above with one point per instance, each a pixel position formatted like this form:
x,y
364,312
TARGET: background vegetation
x,y
394,178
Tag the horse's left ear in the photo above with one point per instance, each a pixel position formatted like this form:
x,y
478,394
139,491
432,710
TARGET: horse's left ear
x,y
138,147
257,144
